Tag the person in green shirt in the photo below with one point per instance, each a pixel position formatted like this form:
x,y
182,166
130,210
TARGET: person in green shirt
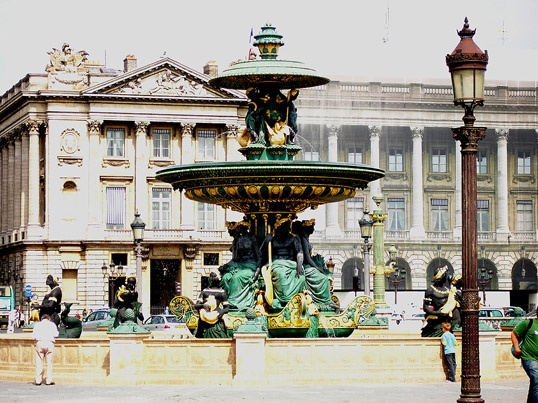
x,y
529,354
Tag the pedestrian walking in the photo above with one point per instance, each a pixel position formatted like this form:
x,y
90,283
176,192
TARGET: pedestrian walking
x,y
44,333
12,320
527,331
449,342
21,318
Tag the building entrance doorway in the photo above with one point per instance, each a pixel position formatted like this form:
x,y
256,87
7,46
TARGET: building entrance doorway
x,y
165,273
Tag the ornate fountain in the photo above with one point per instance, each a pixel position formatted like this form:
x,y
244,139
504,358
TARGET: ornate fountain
x,y
271,253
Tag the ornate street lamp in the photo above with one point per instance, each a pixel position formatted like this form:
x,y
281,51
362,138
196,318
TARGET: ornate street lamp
x,y
365,224
467,65
110,274
138,235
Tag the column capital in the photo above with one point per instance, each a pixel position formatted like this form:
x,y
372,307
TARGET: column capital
x,y
417,131
33,126
375,131
231,130
141,127
333,130
502,133
187,128
94,126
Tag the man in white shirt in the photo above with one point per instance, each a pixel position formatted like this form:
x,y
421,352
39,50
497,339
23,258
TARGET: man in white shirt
x,y
45,334
12,319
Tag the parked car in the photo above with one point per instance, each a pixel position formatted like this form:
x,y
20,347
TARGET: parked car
x,y
486,312
96,318
163,323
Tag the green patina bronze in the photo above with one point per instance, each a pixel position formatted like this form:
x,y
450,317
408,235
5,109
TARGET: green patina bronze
x,y
281,280
71,326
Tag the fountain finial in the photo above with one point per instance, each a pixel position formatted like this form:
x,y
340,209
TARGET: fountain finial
x,y
268,41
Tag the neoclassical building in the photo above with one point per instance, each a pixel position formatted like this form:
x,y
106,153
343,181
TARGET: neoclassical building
x,y
405,129
80,146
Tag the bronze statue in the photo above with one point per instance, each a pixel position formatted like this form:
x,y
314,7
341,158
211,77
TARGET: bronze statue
x,y
212,305
51,304
71,325
237,273
441,303
127,299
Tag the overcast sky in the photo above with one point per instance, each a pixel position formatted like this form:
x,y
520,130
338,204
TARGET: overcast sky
x,y
401,39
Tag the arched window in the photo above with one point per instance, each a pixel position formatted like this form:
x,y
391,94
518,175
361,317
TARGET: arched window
x,y
524,275
352,268
405,284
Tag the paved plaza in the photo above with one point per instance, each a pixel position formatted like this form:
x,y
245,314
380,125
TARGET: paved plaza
x,y
505,391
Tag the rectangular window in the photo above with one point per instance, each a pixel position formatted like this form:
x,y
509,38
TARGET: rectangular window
x,y
161,143
160,208
206,218
115,207
115,139
69,284
354,155
355,210
206,144
524,216
524,162
482,162
396,159
396,214
311,155
482,218
439,214
438,160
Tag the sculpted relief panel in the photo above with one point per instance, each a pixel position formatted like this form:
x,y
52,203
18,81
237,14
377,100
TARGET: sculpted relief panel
x,y
164,82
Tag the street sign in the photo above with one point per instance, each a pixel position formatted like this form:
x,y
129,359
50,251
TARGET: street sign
x,y
28,290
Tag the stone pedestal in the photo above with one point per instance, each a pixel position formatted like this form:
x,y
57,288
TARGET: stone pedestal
x,y
127,358
250,359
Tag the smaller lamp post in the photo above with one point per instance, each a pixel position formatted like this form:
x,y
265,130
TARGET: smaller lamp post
x,y
484,275
365,224
110,274
398,276
138,235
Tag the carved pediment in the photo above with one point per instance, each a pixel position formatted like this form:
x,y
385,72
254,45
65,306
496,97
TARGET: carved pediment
x,y
165,78
163,82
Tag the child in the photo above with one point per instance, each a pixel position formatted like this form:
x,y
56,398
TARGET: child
x,y
449,342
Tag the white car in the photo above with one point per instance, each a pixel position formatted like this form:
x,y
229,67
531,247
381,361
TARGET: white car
x,y
96,318
166,323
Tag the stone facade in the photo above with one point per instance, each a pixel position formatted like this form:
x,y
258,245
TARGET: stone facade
x,y
80,146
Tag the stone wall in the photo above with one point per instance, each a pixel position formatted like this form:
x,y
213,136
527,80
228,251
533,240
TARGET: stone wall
x,y
367,356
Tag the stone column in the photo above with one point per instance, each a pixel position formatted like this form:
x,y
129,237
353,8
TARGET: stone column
x,y
457,198
333,228
17,188
141,166
375,186
417,231
94,184
502,185
24,179
34,227
3,185
11,187
187,157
